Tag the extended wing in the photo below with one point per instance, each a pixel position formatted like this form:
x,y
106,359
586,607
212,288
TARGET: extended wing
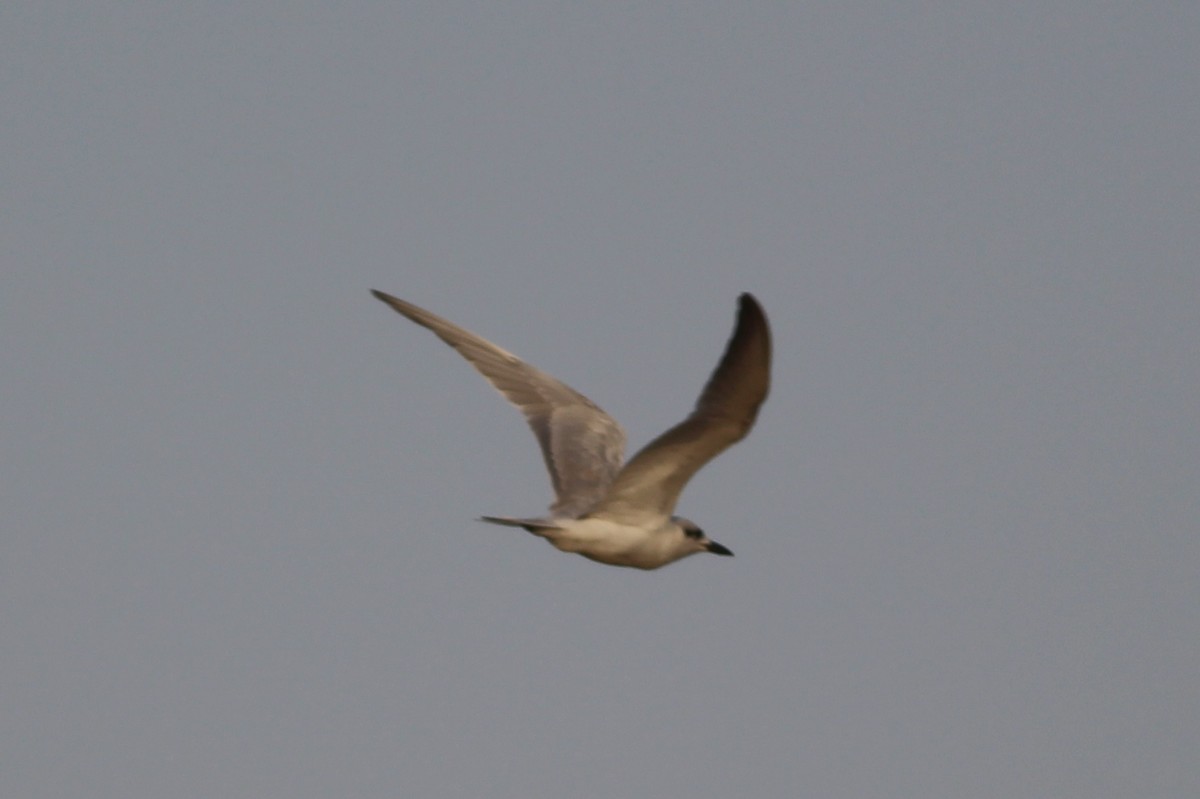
x,y
650,484
581,444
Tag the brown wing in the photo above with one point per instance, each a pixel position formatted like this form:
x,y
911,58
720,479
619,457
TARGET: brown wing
x,y
581,444
650,484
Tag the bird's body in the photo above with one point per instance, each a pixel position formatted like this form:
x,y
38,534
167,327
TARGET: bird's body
x,y
618,514
619,544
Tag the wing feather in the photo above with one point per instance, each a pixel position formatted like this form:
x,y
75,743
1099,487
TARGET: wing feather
x,y
650,483
581,445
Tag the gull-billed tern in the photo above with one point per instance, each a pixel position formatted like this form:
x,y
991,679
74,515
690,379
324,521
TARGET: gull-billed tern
x,y
609,512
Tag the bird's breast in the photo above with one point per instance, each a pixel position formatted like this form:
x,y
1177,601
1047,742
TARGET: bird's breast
x,y
615,543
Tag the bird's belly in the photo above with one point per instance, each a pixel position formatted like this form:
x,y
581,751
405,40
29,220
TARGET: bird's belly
x,y
609,542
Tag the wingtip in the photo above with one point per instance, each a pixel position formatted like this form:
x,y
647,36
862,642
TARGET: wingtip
x,y
394,303
746,298
749,304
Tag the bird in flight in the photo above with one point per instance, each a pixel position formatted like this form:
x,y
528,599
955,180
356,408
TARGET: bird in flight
x,y
613,513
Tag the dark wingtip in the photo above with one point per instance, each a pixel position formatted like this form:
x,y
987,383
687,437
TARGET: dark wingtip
x,y
748,300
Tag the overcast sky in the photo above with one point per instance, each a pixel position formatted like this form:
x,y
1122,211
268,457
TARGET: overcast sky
x,y
238,555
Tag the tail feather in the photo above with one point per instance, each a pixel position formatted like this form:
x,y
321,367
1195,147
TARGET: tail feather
x,y
536,526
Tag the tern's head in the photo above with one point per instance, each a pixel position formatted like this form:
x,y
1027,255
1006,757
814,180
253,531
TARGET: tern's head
x,y
697,539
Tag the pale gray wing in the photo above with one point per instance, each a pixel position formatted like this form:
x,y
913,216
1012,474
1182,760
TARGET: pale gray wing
x,y
581,444
650,484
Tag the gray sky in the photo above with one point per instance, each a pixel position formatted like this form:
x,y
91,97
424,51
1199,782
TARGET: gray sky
x,y
237,493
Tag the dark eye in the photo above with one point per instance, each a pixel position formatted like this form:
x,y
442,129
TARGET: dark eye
x,y
693,532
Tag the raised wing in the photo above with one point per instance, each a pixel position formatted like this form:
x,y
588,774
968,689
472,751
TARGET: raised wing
x,y
650,484
581,444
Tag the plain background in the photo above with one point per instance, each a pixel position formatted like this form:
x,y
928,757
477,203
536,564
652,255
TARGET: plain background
x,y
237,494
